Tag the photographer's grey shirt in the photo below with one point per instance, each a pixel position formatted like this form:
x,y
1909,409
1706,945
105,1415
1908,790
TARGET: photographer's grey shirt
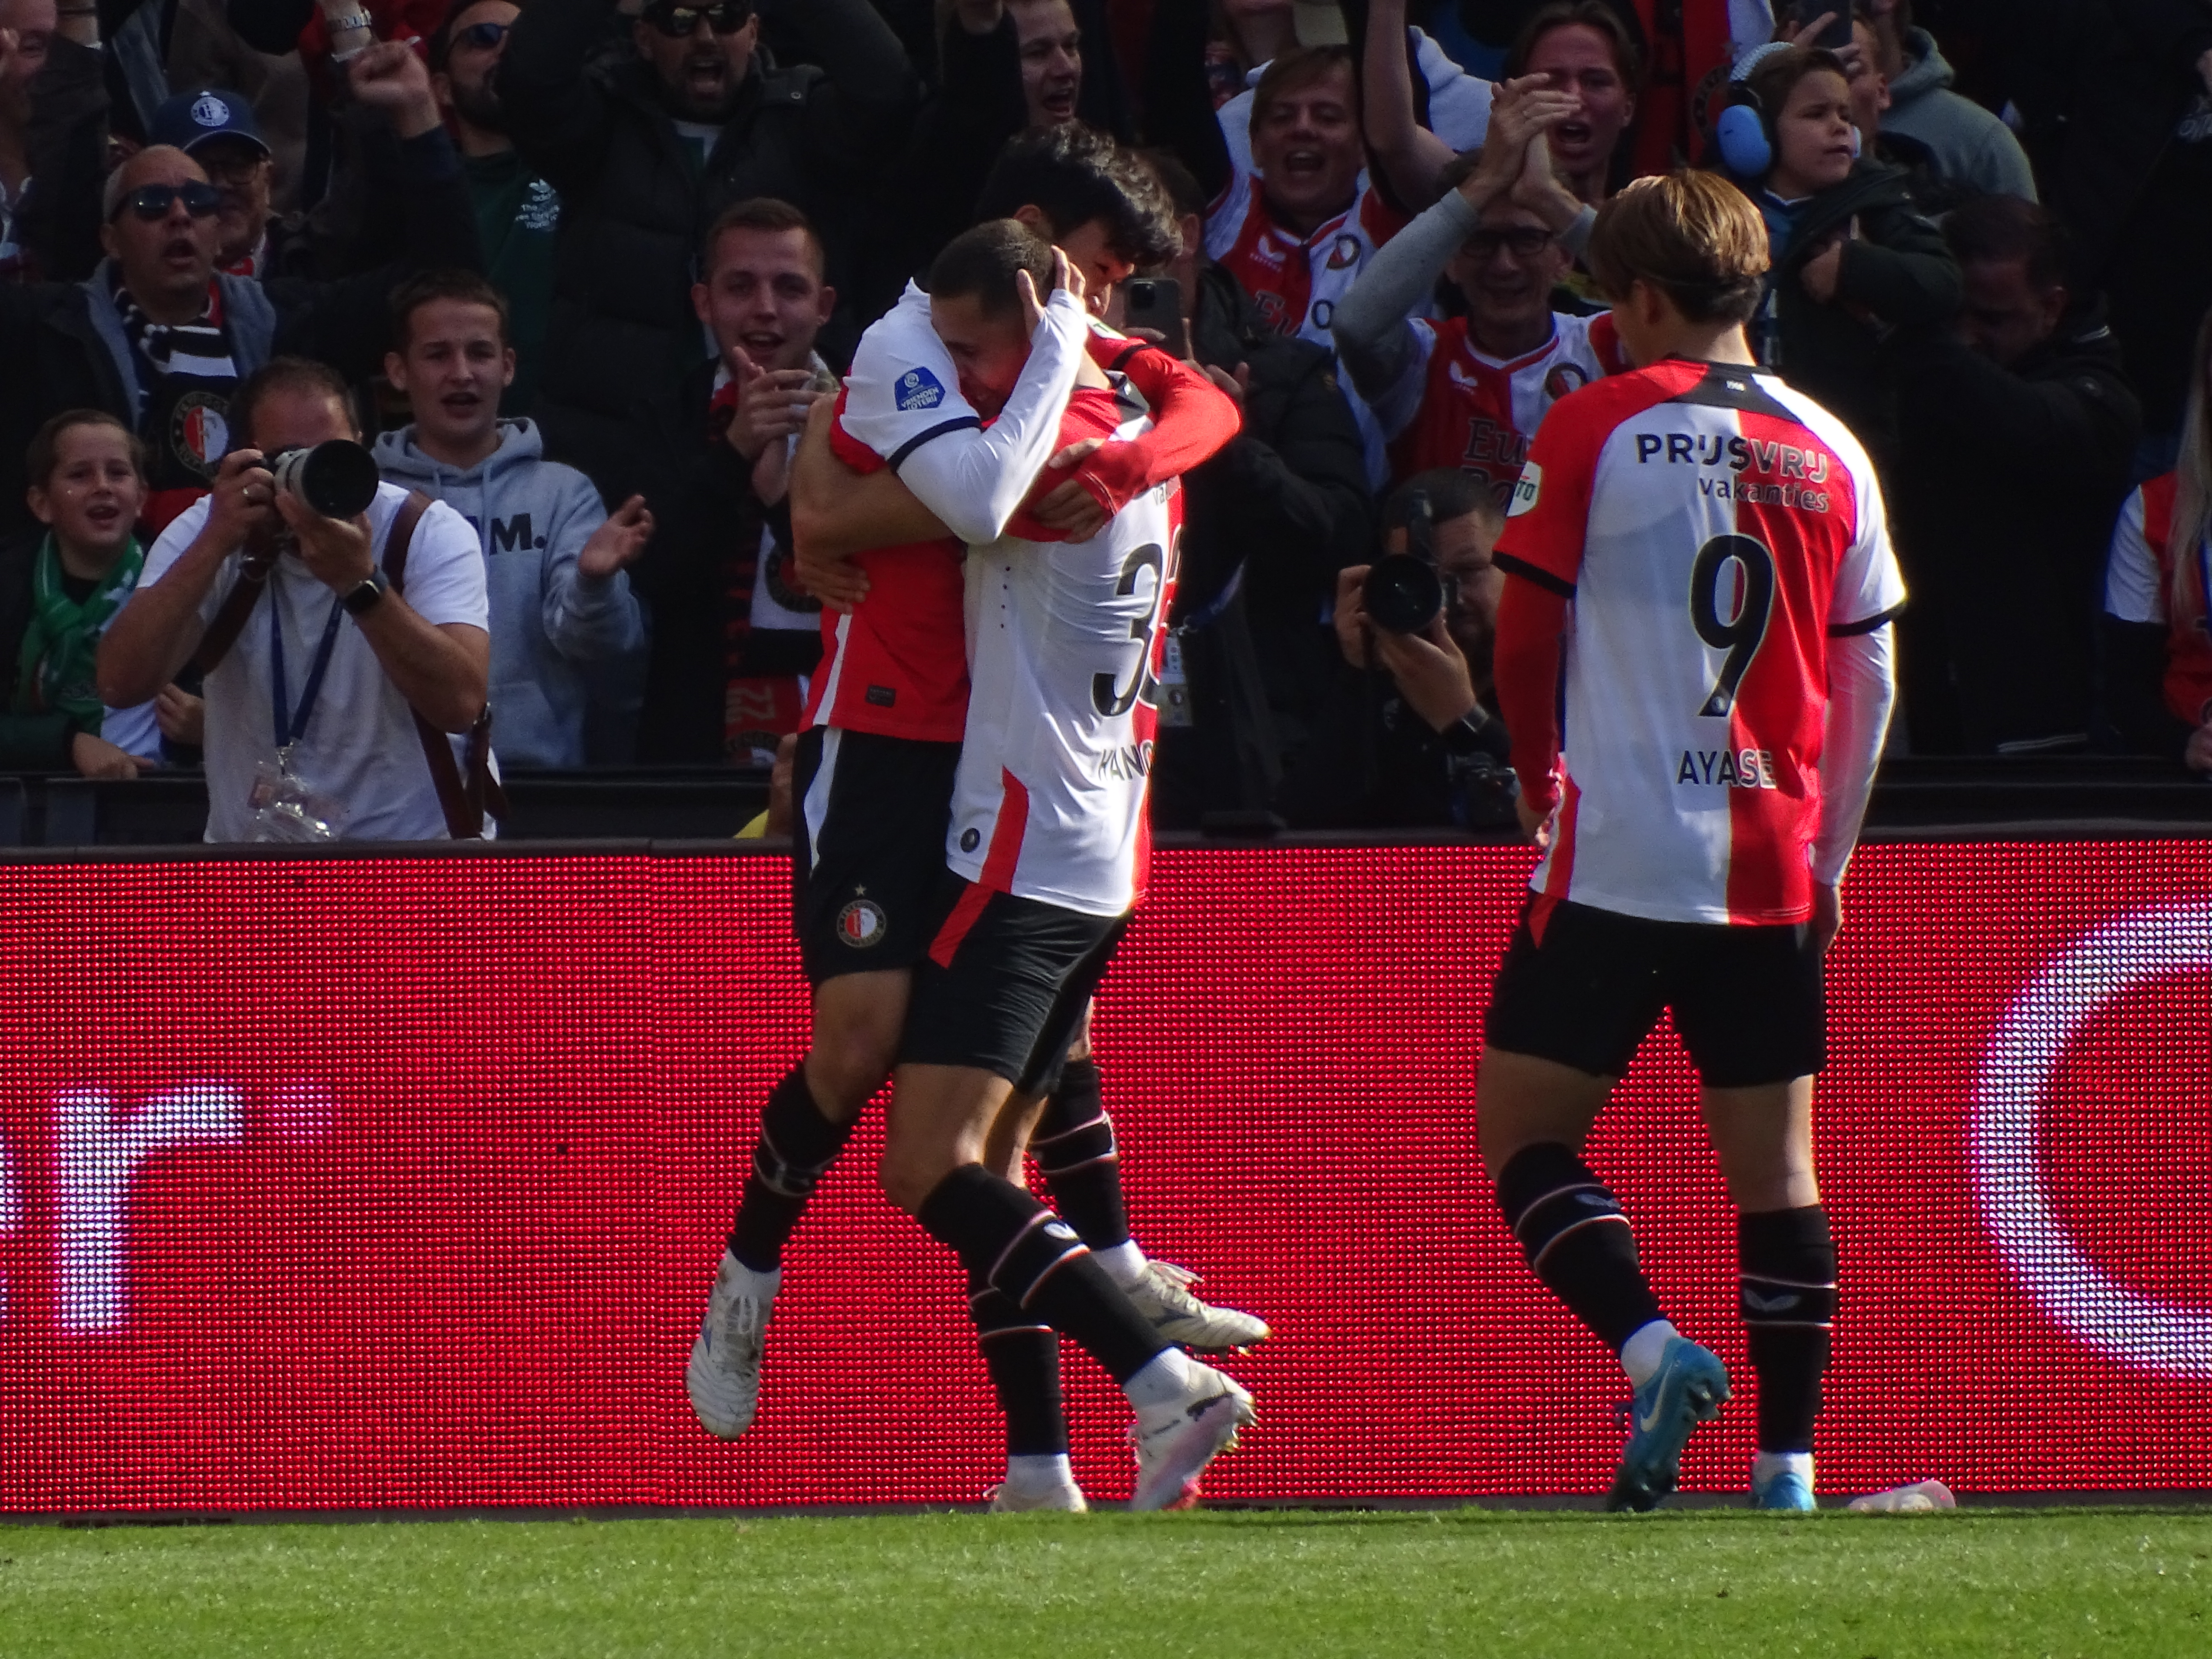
x,y
360,751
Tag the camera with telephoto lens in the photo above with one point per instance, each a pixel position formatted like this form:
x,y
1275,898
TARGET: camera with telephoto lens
x,y
336,478
1404,593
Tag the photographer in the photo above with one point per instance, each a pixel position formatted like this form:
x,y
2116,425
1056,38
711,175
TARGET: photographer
x,y
1411,737
320,709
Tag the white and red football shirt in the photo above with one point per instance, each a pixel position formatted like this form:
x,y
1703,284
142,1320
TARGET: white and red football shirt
x,y
1064,644
1297,281
1454,406
894,665
1711,527
2139,584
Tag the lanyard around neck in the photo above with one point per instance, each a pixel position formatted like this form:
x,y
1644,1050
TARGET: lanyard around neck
x,y
289,729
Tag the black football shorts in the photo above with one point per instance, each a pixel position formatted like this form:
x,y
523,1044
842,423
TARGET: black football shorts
x,y
1005,983
1585,987
868,822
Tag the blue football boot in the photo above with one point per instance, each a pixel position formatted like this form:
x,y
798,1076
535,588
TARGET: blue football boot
x,y
1686,1389
1785,1489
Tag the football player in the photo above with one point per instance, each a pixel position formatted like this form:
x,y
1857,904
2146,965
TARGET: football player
x,y
1693,660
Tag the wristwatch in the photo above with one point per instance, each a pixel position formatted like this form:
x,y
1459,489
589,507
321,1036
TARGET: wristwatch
x,y
366,595
358,20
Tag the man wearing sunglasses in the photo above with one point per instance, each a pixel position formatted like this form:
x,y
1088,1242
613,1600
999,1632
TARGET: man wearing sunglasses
x,y
160,339
1469,392
647,148
517,212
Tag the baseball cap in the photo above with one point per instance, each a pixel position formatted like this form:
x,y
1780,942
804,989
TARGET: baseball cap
x,y
191,118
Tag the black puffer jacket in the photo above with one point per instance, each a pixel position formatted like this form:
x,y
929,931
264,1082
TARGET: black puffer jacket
x,y
1895,270
590,119
2003,496
1286,505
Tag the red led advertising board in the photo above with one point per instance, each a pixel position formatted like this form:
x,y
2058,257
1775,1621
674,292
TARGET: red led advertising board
x,y
399,1182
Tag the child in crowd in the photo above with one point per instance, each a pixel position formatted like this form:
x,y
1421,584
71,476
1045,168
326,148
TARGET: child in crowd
x,y
59,587
1850,251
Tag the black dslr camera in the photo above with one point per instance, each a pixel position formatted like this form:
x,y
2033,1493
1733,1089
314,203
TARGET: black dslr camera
x,y
336,478
1404,593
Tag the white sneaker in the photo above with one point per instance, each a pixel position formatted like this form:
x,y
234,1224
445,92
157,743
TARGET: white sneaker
x,y
1175,1441
1162,1296
723,1378
1063,1496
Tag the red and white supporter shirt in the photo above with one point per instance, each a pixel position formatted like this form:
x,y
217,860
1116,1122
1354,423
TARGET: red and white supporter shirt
x,y
1296,280
2139,588
1711,527
894,665
1064,647
1453,406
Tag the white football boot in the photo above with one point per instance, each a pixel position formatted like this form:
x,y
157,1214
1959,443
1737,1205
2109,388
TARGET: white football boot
x,y
1176,1439
723,1378
1064,1497
1162,1296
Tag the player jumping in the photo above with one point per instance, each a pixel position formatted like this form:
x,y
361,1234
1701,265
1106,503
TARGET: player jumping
x,y
875,777
1700,580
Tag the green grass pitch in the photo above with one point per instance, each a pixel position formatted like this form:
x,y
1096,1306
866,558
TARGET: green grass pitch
x,y
1707,1584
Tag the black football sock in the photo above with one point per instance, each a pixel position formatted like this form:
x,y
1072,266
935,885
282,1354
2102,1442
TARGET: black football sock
x,y
797,1146
1073,1145
1786,1291
1577,1240
1022,1356
1030,1255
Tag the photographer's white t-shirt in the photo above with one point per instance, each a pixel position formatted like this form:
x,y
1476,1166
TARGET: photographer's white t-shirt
x,y
360,751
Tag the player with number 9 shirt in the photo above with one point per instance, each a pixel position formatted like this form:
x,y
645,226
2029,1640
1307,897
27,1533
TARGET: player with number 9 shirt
x,y
1693,659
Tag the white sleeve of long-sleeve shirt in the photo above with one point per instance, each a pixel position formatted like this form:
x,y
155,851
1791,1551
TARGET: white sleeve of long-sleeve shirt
x,y
901,400
1861,689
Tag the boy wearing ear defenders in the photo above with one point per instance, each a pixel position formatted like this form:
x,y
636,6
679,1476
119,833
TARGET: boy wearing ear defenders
x,y
1852,257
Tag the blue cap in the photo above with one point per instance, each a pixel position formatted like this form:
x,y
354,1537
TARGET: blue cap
x,y
191,118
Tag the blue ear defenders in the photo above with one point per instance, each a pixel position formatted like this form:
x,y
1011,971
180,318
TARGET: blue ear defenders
x,y
1746,145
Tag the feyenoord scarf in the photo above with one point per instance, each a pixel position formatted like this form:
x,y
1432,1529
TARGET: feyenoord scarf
x,y
54,671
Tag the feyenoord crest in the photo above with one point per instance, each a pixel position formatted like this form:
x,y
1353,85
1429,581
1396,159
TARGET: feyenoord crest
x,y
862,924
1344,254
199,436
1563,379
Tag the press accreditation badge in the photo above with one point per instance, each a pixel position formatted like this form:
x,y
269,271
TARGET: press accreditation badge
x,y
1173,694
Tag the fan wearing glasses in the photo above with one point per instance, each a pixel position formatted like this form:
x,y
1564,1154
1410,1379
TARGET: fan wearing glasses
x,y
1469,391
518,213
159,339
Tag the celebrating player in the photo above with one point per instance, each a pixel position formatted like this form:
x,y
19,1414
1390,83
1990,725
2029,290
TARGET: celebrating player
x,y
1047,851
1710,543
875,778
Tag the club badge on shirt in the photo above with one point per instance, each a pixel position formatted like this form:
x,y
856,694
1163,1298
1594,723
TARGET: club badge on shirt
x,y
919,389
199,436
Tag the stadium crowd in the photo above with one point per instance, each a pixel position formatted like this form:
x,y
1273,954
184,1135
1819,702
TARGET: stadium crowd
x,y
580,271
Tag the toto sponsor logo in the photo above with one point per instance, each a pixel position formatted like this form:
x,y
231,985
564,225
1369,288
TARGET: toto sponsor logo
x,y
2006,1149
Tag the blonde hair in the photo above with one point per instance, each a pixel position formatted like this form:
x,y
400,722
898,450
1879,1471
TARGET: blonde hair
x,y
1692,235
2192,487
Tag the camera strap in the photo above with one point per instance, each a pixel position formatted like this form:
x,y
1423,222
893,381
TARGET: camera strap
x,y
230,618
463,800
